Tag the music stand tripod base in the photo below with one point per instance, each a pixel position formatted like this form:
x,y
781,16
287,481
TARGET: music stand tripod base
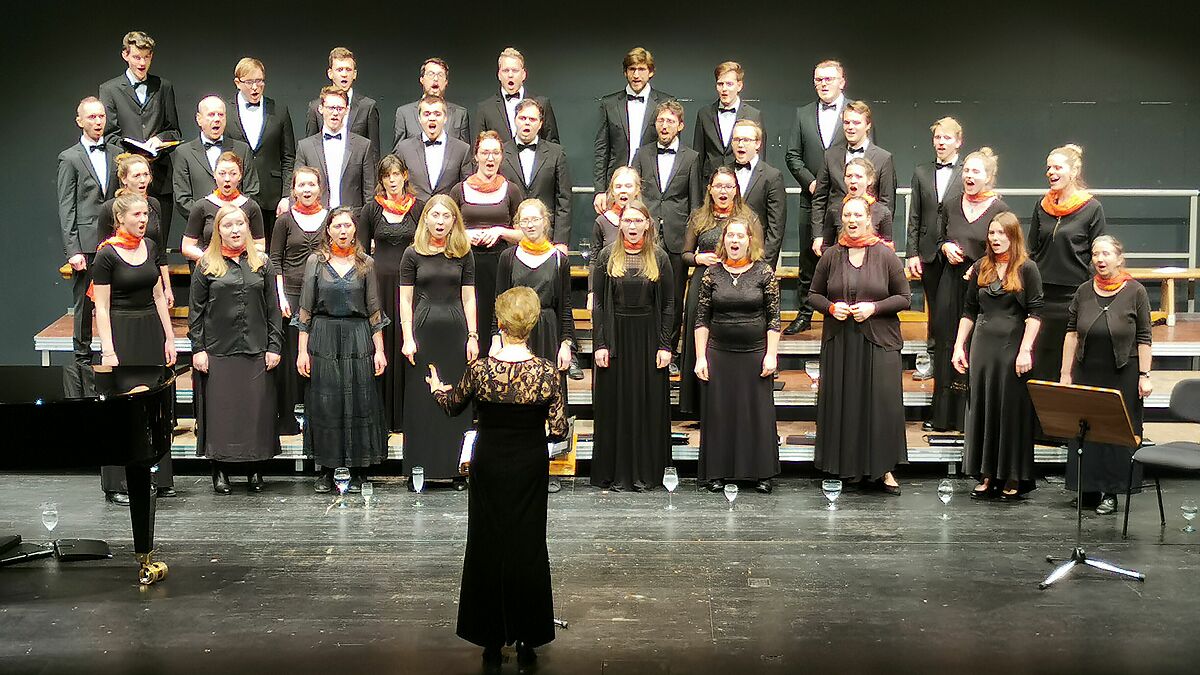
x,y
1079,557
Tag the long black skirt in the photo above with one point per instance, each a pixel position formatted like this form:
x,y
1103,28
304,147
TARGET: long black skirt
x,y
999,434
860,407
432,439
1106,467
738,439
949,386
291,386
689,385
343,409
235,409
632,406
1048,349
506,594
487,265
393,343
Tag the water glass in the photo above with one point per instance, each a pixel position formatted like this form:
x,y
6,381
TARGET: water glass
x,y
585,248
670,481
945,492
831,488
368,491
1188,507
49,516
417,476
924,365
731,493
813,370
341,480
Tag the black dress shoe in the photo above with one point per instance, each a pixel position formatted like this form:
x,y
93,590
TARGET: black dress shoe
x,y
764,486
255,482
927,426
493,658
554,486
526,657
716,485
986,493
574,371
798,325
460,484
1108,506
118,498
221,483
166,492
324,482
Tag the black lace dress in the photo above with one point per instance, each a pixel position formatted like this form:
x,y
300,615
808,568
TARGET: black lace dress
x,y
506,594
689,386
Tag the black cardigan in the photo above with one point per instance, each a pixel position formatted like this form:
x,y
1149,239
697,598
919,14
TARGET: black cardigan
x,y
882,282
1062,247
603,317
1128,318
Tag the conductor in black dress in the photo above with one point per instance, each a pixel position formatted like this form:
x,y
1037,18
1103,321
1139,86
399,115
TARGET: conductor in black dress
x,y
435,80
713,137
141,106
266,126
539,167
499,112
362,118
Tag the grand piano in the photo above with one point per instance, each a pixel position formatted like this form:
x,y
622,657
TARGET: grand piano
x,y
132,429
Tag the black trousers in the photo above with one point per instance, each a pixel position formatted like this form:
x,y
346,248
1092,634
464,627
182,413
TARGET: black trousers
x,y
807,262
78,379
679,274
931,276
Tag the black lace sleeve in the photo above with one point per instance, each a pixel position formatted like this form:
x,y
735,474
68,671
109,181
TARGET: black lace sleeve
x,y
704,304
455,399
556,419
375,314
771,299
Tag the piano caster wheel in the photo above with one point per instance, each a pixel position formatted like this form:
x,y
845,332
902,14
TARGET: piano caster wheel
x,y
150,571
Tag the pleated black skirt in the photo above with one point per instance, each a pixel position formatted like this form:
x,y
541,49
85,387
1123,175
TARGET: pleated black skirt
x,y
235,409
738,439
343,408
432,439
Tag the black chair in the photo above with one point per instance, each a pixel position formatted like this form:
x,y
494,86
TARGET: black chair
x,y
1181,455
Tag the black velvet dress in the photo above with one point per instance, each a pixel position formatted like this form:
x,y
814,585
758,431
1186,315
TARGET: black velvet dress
x,y
689,386
432,440
204,212
290,247
631,318
387,241
1000,417
738,438
506,594
551,280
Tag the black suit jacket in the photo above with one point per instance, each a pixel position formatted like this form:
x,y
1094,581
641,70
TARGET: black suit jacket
x,y
455,167
275,156
707,139
358,167
193,177
129,118
408,125
551,183
612,138
491,114
80,196
831,187
363,120
766,198
924,208
806,150
684,193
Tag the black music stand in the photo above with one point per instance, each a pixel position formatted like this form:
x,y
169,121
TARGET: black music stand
x,y
1082,413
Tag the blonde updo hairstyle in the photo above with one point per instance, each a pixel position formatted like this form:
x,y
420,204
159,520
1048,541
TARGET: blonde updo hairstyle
x,y
1074,156
517,312
991,163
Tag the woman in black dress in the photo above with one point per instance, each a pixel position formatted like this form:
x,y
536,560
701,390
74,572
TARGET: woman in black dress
x,y
341,351
1002,307
506,595
236,331
624,187
859,177
737,342
631,331
437,317
1065,224
297,235
388,225
722,202
859,286
488,203
1108,345
199,228
536,263
134,173
962,237
133,323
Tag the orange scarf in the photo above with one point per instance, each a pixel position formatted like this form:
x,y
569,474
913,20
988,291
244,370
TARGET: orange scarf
x,y
434,241
722,212
864,241
737,263
866,196
233,253
981,197
1114,283
481,185
347,252
236,193
1002,258
120,239
1052,206
536,249
632,248
618,207
398,207
307,210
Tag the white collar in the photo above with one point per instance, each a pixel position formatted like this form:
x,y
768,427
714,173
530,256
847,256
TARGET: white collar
x,y
673,146
645,91
134,81
87,142
441,136
737,104
242,102
343,131
520,95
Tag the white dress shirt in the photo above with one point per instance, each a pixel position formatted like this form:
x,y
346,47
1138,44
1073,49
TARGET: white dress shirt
x,y
140,88
252,119
98,160
829,121
666,163
335,155
725,120
942,177
635,116
214,152
510,106
435,158
743,175
526,156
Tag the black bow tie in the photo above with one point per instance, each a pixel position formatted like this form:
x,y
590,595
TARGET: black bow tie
x,y
947,165
631,97
334,137
828,106
666,151
209,145
430,144
726,110
858,151
95,148
521,147
511,97
139,84
739,166
253,105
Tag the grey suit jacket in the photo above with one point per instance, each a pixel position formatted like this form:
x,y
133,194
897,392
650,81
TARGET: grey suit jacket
x,y
455,167
80,196
363,120
707,140
766,198
408,125
127,117
924,208
551,183
612,138
491,114
275,156
831,187
358,167
193,177
684,193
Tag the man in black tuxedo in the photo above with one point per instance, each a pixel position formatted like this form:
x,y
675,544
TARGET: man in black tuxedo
x,y
141,106
499,112
626,122
817,128
714,123
346,160
435,79
259,122
86,178
761,186
436,162
671,188
196,160
935,185
831,180
363,118
540,168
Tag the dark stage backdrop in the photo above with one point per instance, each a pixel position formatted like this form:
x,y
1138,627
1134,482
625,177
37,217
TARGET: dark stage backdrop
x,y
1021,77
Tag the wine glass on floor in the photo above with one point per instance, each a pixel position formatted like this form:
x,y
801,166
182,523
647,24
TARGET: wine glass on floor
x,y
341,480
731,493
945,492
670,481
49,516
368,491
831,488
418,482
924,366
1188,507
813,369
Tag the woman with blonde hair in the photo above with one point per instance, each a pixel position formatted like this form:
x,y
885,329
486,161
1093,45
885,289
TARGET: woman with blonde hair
x,y
624,186
438,319
236,330
631,334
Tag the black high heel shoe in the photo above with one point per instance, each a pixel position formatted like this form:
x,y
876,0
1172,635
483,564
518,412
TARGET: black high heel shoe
x,y
526,657
220,482
493,659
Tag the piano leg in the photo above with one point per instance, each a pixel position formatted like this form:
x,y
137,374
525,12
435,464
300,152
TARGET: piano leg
x,y
141,514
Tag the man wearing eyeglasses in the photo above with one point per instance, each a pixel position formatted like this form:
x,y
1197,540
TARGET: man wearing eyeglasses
x,y
761,186
436,162
345,159
499,112
434,79
266,126
362,118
